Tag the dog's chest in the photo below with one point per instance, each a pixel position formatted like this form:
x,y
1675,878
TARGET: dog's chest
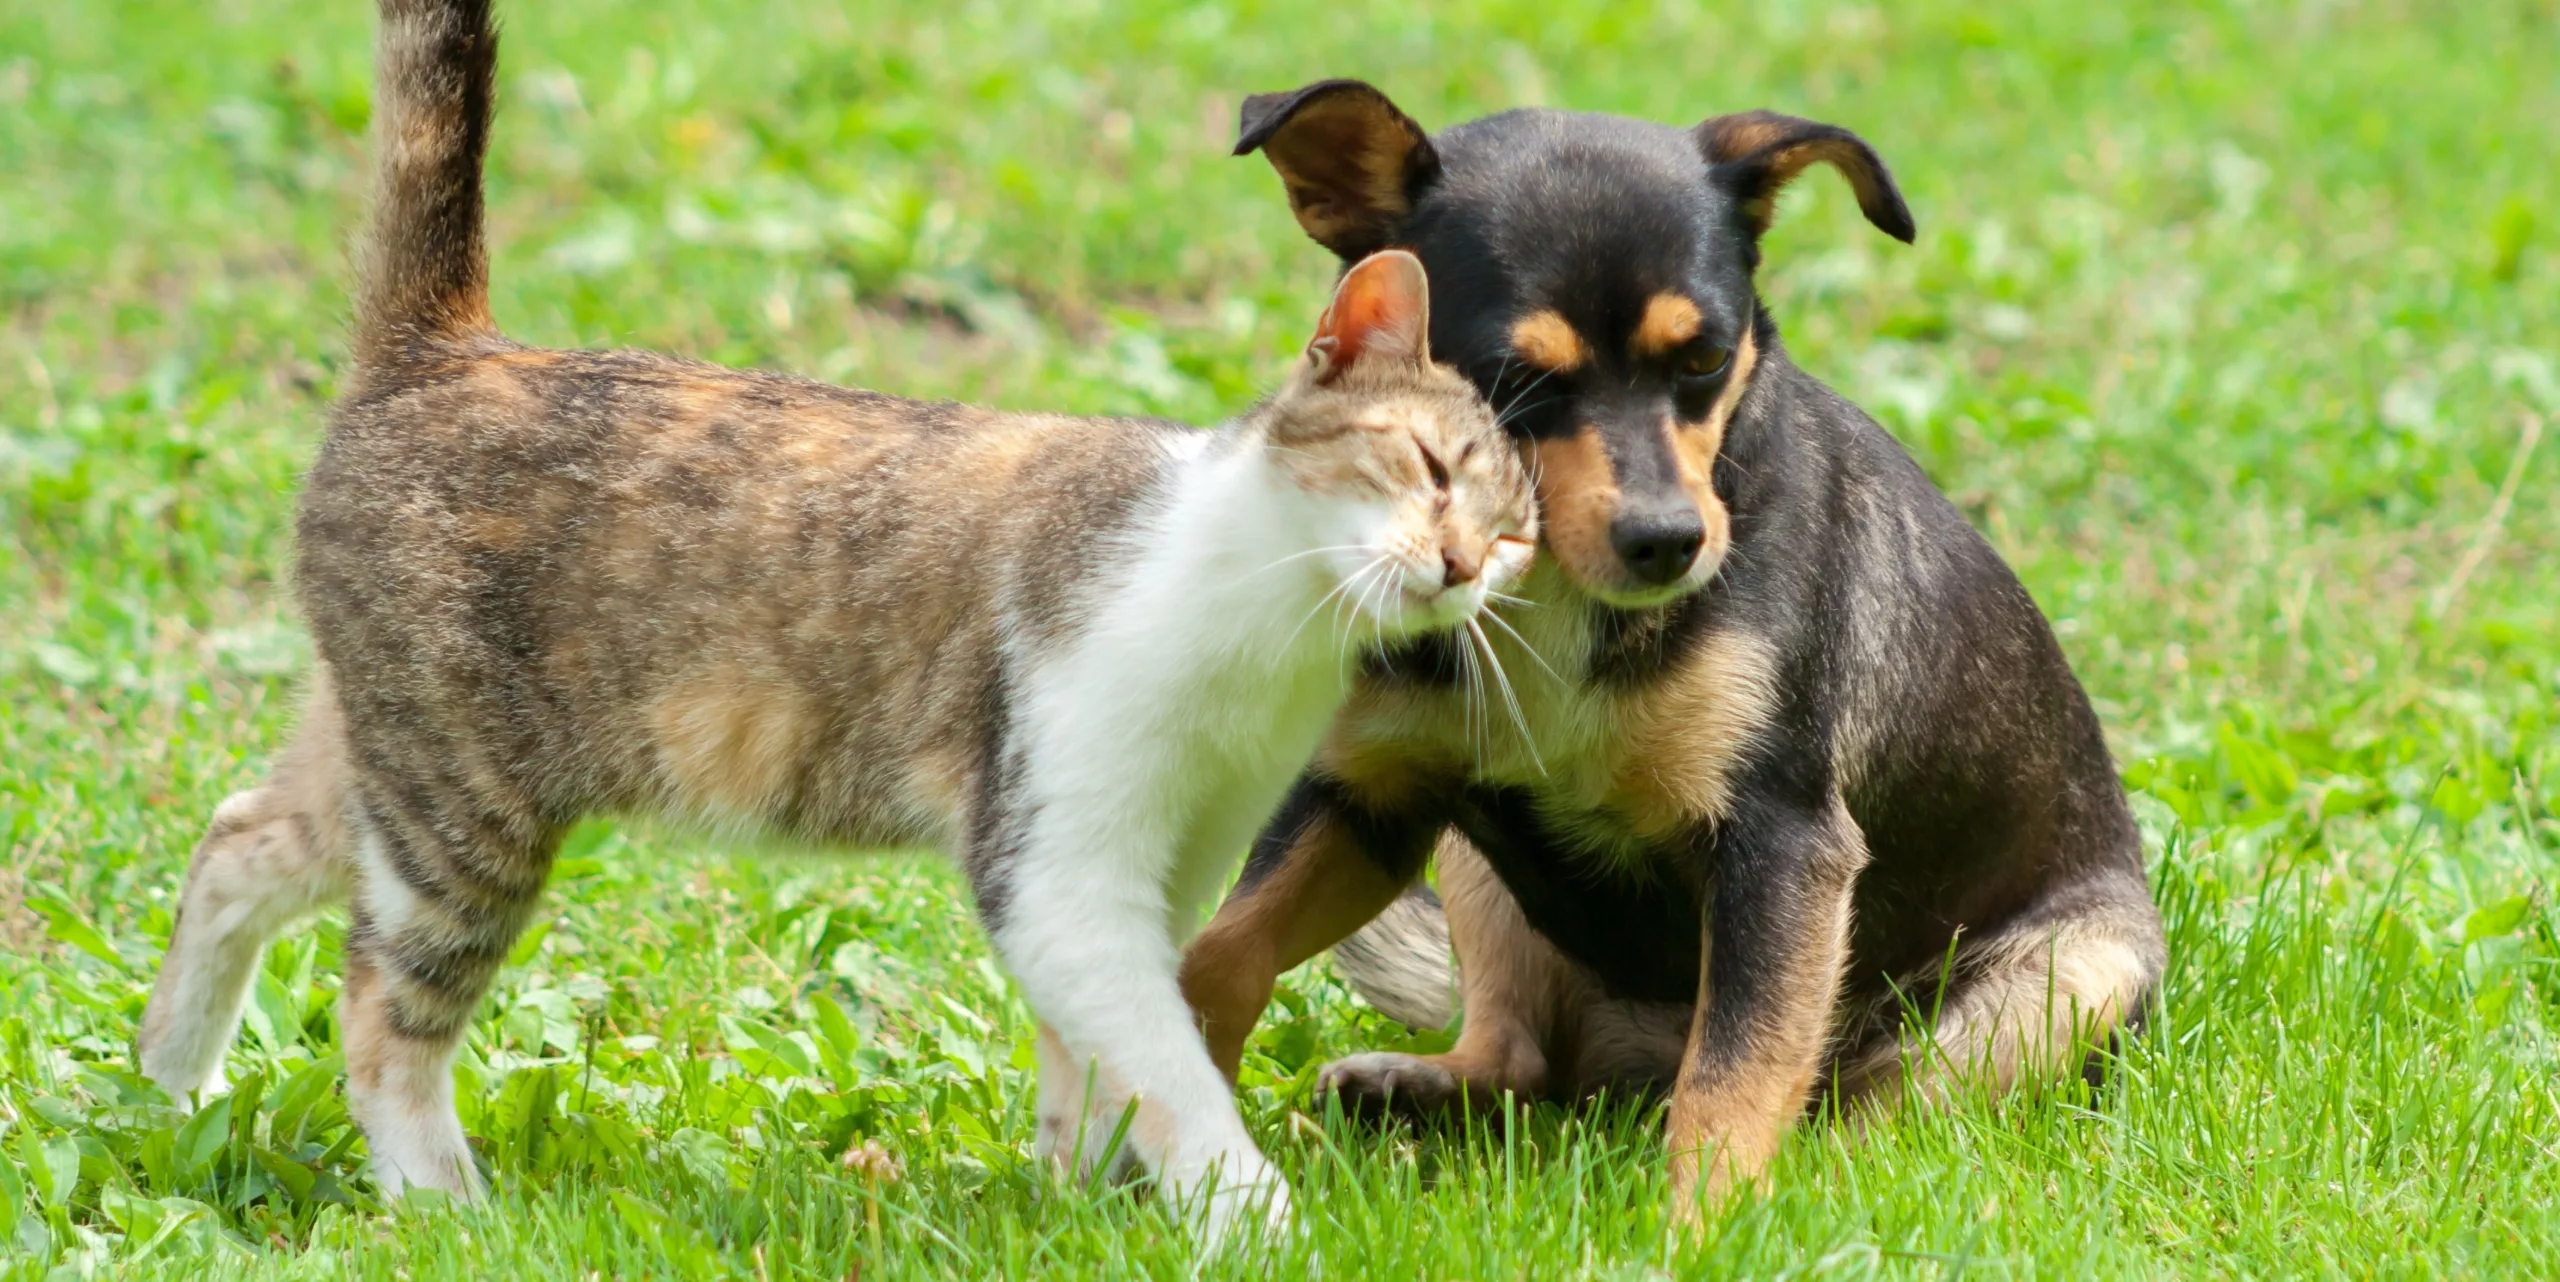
x,y
1635,916
1621,770
1595,801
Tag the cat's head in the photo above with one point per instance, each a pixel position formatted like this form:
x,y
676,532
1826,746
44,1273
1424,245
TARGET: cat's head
x,y
1432,507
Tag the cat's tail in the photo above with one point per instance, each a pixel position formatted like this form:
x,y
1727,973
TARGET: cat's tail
x,y
1400,961
425,263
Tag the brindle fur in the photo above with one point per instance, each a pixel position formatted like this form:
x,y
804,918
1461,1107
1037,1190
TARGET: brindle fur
x,y
1816,808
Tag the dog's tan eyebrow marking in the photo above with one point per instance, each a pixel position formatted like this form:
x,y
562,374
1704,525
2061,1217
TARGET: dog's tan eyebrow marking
x,y
1545,339
1669,321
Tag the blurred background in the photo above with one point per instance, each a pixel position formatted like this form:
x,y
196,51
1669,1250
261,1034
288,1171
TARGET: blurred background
x,y
2236,326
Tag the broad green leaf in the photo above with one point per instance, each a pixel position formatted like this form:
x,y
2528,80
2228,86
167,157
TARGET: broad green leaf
x,y
2264,772
273,1014
198,1223
2457,801
296,1096
835,1025
203,1137
533,1095
529,944
157,1154
765,1052
640,1217
53,1167
2499,918
296,1178
64,923
246,1096
135,1215
707,1155
2491,1002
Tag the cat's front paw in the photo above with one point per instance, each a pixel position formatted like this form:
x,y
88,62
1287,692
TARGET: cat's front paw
x,y
1077,1146
1252,1201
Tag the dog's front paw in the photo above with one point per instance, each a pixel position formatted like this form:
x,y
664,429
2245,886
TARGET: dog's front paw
x,y
1381,1082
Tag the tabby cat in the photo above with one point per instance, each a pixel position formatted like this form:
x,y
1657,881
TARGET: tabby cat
x,y
1085,655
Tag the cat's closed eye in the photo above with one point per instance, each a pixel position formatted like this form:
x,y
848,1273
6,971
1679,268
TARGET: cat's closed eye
x,y
1431,463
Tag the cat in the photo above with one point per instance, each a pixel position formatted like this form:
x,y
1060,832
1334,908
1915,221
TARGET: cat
x,y
1085,655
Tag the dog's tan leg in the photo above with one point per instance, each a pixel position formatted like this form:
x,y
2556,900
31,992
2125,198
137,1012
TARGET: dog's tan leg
x,y
2024,1008
1777,938
1513,980
1323,885
272,856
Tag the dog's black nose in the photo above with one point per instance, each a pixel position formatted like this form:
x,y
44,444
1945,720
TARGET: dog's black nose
x,y
1658,544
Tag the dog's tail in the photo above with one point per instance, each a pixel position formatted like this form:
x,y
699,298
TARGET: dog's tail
x,y
1400,961
425,263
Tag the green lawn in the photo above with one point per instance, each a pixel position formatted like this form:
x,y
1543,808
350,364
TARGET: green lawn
x,y
2227,323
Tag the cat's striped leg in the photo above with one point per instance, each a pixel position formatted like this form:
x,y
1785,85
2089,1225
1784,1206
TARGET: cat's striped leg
x,y
272,856
443,885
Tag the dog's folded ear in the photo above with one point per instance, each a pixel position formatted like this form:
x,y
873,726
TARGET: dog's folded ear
x,y
1753,154
1353,163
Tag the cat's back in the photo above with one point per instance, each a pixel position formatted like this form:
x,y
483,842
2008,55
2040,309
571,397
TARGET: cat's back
x,y
521,460
507,424
562,541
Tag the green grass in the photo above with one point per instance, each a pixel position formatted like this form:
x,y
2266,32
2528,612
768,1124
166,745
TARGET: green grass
x,y
2225,324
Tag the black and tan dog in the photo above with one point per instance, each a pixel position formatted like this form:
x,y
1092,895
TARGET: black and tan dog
x,y
1792,792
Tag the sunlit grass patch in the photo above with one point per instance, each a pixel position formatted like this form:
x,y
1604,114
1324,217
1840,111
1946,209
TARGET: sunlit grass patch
x,y
2227,324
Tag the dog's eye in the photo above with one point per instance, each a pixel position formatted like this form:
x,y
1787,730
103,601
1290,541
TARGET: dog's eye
x,y
1705,362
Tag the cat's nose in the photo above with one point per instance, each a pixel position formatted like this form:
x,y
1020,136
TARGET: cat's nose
x,y
1457,567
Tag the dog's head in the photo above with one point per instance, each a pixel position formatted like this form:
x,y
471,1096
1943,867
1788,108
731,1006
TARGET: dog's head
x,y
1593,275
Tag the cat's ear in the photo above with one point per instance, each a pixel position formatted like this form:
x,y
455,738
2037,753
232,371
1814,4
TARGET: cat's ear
x,y
1381,312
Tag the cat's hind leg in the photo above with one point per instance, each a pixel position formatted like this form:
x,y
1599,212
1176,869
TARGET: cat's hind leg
x,y
272,856
445,879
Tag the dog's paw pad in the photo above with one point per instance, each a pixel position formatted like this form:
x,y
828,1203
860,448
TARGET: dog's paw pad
x,y
1381,1081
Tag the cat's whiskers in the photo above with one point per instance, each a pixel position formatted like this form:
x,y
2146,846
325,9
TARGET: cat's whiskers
x,y
1338,590
1394,595
1530,650
1511,701
1348,621
1519,403
1518,408
1392,580
1472,702
1300,556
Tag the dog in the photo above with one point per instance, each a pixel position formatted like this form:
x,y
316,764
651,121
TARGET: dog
x,y
1792,797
